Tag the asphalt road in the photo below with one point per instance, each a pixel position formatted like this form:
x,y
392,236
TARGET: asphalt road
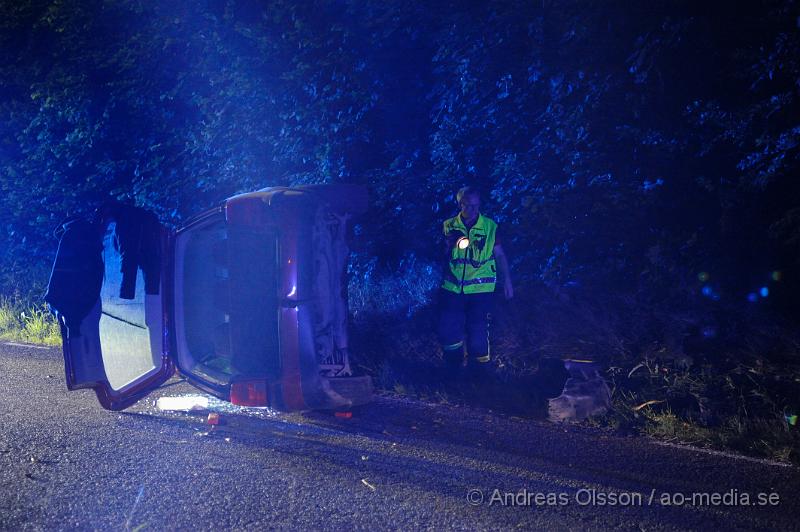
x,y
67,464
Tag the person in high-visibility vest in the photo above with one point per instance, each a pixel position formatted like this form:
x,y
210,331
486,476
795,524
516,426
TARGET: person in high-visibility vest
x,y
474,257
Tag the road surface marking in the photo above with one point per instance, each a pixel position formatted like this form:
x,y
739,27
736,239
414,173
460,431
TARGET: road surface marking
x,y
726,454
27,345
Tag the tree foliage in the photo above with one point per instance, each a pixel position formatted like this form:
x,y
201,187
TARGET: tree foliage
x,y
624,148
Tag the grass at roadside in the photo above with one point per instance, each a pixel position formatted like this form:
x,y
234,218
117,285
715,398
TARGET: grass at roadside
x,y
745,402
763,435
683,369
27,323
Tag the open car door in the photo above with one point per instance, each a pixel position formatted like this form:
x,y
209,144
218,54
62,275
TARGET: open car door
x,y
107,292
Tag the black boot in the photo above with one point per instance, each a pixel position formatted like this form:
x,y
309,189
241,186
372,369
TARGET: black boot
x,y
453,364
480,373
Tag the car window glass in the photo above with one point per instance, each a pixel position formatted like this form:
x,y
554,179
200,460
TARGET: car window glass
x,y
130,329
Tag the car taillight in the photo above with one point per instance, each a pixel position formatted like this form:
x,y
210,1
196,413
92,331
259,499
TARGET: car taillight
x,y
249,393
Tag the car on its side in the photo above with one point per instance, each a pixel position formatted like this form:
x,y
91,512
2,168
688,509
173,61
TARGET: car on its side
x,y
247,301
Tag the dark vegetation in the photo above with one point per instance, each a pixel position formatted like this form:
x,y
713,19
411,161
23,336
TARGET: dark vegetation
x,y
641,158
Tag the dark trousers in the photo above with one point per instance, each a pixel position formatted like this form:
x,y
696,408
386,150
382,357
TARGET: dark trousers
x,y
464,316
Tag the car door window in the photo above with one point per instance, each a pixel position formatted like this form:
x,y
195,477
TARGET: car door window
x,y
130,329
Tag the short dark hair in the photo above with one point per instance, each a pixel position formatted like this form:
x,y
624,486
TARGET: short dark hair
x,y
467,191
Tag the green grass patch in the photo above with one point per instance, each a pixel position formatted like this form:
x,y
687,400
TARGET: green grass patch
x,y
31,324
765,436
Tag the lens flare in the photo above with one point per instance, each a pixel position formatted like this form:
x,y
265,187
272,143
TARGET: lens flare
x,y
703,277
764,292
184,403
777,275
752,297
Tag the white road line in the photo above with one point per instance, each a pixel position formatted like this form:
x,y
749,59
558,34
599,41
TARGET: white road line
x,y
764,461
26,345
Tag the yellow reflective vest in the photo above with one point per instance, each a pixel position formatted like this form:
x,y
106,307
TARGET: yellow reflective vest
x,y
471,270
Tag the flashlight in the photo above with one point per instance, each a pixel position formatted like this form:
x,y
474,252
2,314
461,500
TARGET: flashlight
x,y
462,243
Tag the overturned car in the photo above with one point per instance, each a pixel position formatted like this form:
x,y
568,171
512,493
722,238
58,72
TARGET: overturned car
x,y
247,301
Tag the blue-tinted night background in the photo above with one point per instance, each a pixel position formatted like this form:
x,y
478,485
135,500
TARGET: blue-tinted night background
x,y
641,159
